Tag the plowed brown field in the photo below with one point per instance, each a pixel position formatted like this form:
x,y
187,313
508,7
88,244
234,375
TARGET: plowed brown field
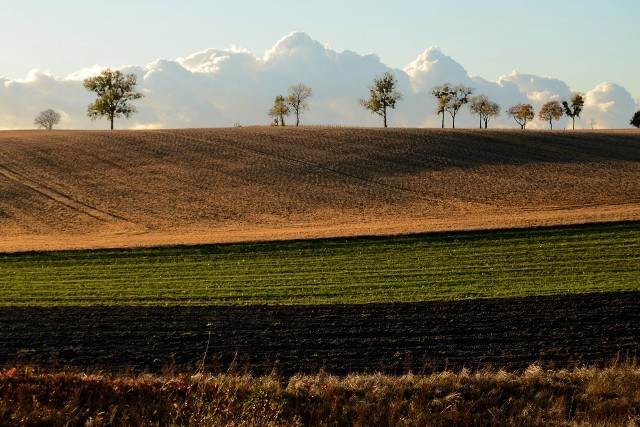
x,y
89,189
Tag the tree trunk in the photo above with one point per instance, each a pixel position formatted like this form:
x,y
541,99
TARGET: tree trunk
x,y
453,122
480,121
573,124
384,116
486,120
111,122
551,124
297,118
443,120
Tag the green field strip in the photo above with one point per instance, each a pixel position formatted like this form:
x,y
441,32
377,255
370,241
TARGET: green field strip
x,y
430,267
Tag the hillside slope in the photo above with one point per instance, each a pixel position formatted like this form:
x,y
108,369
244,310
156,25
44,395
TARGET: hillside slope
x,y
90,189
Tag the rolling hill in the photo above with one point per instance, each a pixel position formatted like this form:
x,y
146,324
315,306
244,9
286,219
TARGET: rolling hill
x,y
96,189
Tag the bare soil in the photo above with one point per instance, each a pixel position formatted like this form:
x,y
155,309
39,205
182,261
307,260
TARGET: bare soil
x,y
94,189
392,338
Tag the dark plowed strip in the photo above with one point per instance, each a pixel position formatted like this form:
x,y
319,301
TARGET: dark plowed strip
x,y
392,338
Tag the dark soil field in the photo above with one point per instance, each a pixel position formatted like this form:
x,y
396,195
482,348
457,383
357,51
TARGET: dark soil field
x,y
392,338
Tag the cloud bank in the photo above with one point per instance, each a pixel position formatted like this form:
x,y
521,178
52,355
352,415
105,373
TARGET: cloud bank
x,y
222,87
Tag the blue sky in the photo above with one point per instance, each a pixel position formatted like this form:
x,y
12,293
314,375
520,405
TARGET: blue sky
x,y
581,42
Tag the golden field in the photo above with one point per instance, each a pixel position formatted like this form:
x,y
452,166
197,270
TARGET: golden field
x,y
94,189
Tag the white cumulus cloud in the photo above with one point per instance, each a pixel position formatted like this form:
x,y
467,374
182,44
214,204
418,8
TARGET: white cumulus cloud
x,y
221,87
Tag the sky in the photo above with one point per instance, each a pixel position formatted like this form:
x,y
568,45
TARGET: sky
x,y
582,43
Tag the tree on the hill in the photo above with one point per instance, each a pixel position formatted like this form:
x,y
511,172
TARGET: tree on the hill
x,y
115,92
550,111
459,97
47,119
484,108
297,99
574,110
521,113
451,99
279,110
592,123
382,95
442,94
635,120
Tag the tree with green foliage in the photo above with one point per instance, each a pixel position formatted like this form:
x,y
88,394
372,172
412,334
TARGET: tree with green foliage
x,y
635,120
382,95
484,108
459,97
550,111
115,92
521,113
574,110
451,99
279,110
442,94
297,99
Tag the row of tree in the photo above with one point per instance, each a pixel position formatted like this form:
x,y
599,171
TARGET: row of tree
x,y
115,91
451,98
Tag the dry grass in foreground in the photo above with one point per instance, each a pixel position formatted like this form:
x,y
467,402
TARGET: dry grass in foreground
x,y
582,396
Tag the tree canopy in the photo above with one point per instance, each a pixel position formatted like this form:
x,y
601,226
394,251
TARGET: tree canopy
x,y
47,119
450,99
484,108
382,95
442,94
297,99
279,110
574,109
459,97
635,120
550,111
115,92
521,113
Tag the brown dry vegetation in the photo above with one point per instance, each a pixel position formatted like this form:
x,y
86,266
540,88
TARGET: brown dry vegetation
x,y
534,397
88,189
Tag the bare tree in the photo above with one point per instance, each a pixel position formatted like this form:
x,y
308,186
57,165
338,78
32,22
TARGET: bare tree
x,y
279,110
47,118
592,123
521,113
297,99
550,111
382,95
484,108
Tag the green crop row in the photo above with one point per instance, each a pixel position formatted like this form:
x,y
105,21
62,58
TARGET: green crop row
x,y
450,266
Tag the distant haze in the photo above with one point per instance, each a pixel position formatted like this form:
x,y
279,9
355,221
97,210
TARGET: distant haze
x,y
223,87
